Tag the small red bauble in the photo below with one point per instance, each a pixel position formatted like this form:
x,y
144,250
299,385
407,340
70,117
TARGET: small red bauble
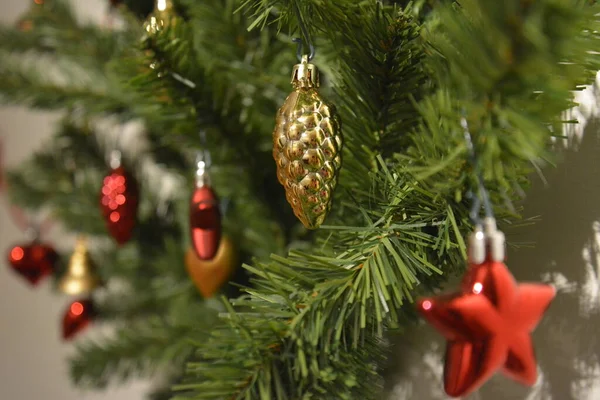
x,y
78,315
488,326
33,261
119,204
205,222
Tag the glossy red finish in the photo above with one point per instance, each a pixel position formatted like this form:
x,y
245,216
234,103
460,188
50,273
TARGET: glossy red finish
x,y
205,222
119,204
78,315
33,261
488,326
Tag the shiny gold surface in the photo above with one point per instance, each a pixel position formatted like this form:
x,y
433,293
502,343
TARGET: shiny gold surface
x,y
160,17
210,275
307,145
81,276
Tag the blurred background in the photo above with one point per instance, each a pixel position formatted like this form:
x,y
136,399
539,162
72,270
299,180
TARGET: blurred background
x,y
562,247
33,356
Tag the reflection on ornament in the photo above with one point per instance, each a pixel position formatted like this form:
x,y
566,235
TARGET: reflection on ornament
x,y
81,276
119,204
488,326
77,317
33,261
209,276
161,5
307,147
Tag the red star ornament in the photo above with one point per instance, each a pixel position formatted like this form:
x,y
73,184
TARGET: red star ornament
x,y
488,327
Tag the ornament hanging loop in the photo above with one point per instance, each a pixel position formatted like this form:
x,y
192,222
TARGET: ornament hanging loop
x,y
311,47
203,163
483,198
115,159
300,50
202,166
486,242
115,155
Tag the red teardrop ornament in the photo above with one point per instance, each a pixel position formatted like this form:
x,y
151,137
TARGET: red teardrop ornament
x,y
33,261
119,204
78,316
205,222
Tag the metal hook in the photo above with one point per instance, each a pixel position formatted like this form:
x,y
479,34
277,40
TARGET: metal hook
x,y
299,51
299,41
203,155
203,162
487,241
484,196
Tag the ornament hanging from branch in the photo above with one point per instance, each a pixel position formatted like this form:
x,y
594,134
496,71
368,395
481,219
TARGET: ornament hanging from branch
x,y
78,316
489,321
205,216
119,198
307,145
81,276
212,258
80,279
33,261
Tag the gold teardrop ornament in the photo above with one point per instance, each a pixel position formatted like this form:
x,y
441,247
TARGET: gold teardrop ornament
x,y
210,275
307,147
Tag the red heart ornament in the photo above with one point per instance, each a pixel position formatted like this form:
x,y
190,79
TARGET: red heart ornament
x,y
205,222
78,315
33,261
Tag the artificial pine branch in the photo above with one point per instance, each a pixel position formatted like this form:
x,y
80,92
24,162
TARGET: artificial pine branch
x,y
27,86
351,282
311,324
181,71
137,350
281,282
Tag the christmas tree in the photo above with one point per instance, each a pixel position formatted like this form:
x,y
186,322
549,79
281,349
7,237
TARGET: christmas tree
x,y
247,293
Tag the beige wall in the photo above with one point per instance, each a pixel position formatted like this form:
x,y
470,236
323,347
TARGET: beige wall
x,y
33,357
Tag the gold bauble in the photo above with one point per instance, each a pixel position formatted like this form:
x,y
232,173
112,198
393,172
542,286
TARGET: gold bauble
x,y
160,18
210,275
307,146
81,276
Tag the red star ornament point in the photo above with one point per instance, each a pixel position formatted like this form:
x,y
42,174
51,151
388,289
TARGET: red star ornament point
x,y
488,326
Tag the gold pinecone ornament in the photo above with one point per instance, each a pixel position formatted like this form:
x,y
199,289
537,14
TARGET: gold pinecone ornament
x,y
307,147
